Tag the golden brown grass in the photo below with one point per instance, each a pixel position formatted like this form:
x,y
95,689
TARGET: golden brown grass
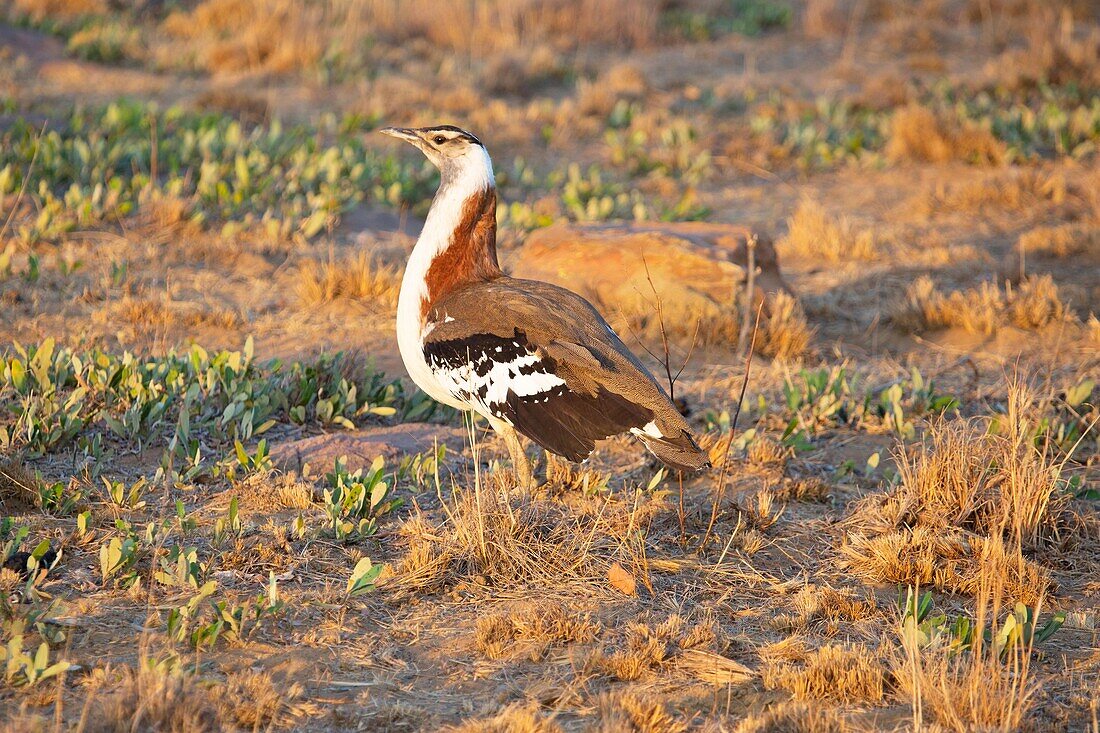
x,y
628,712
785,334
1011,190
1062,240
286,36
813,233
515,718
972,690
917,134
793,717
832,672
357,278
150,698
970,501
1033,304
530,632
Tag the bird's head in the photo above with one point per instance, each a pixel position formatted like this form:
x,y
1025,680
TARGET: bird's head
x,y
455,152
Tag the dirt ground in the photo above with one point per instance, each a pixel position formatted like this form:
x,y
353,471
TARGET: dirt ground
x,y
921,415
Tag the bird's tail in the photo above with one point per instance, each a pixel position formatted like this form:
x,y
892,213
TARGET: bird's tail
x,y
680,452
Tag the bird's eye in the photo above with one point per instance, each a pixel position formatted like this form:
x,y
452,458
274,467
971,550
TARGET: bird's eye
x,y
439,139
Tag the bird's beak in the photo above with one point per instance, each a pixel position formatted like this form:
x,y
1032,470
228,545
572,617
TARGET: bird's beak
x,y
401,133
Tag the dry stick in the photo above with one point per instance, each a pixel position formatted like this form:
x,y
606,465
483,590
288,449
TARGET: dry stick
x,y
721,487
26,180
750,289
667,361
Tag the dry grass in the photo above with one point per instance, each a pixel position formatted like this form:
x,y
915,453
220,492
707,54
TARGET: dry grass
x,y
356,278
1015,190
969,503
917,134
974,690
1033,304
153,699
627,712
515,718
785,334
794,717
285,36
530,632
813,233
843,673
1062,240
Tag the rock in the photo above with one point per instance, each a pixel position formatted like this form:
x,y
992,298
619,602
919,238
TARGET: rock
x,y
696,268
392,442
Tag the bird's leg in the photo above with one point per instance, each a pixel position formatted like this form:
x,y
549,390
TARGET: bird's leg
x,y
520,463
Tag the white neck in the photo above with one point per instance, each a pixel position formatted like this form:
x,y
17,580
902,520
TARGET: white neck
x,y
461,178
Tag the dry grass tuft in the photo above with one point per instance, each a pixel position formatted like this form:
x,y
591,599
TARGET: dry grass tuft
x,y
969,503
794,717
356,278
813,233
154,699
1063,240
645,649
785,334
1033,304
626,712
843,673
516,718
978,689
530,632
823,610
1013,190
917,134
509,540
17,486
805,489
254,702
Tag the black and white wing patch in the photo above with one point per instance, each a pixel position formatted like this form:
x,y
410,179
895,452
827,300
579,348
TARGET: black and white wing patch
x,y
514,381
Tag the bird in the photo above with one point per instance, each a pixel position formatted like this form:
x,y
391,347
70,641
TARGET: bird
x,y
532,358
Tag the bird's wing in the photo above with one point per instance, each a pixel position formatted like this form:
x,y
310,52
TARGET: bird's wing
x,y
542,358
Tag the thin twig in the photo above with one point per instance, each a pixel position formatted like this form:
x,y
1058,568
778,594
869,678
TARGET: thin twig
x,y
26,180
667,361
721,487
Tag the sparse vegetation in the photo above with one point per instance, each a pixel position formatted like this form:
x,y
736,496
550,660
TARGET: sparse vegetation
x,y
222,507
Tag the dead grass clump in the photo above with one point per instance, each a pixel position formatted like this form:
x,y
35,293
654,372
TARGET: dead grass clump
x,y
822,609
17,487
530,633
1062,240
1034,304
645,648
505,540
516,718
625,712
785,334
949,560
151,698
917,134
969,503
252,700
765,451
246,35
793,717
977,689
356,278
1013,190
807,489
813,233
849,674
1056,53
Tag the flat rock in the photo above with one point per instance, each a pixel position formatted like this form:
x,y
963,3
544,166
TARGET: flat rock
x,y
392,442
695,267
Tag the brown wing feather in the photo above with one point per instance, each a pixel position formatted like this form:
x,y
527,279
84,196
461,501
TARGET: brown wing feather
x,y
606,389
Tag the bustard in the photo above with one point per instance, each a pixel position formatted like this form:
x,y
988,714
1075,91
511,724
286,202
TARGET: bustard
x,y
529,356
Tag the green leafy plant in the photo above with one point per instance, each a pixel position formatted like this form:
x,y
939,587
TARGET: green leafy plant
x,y
354,501
363,577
